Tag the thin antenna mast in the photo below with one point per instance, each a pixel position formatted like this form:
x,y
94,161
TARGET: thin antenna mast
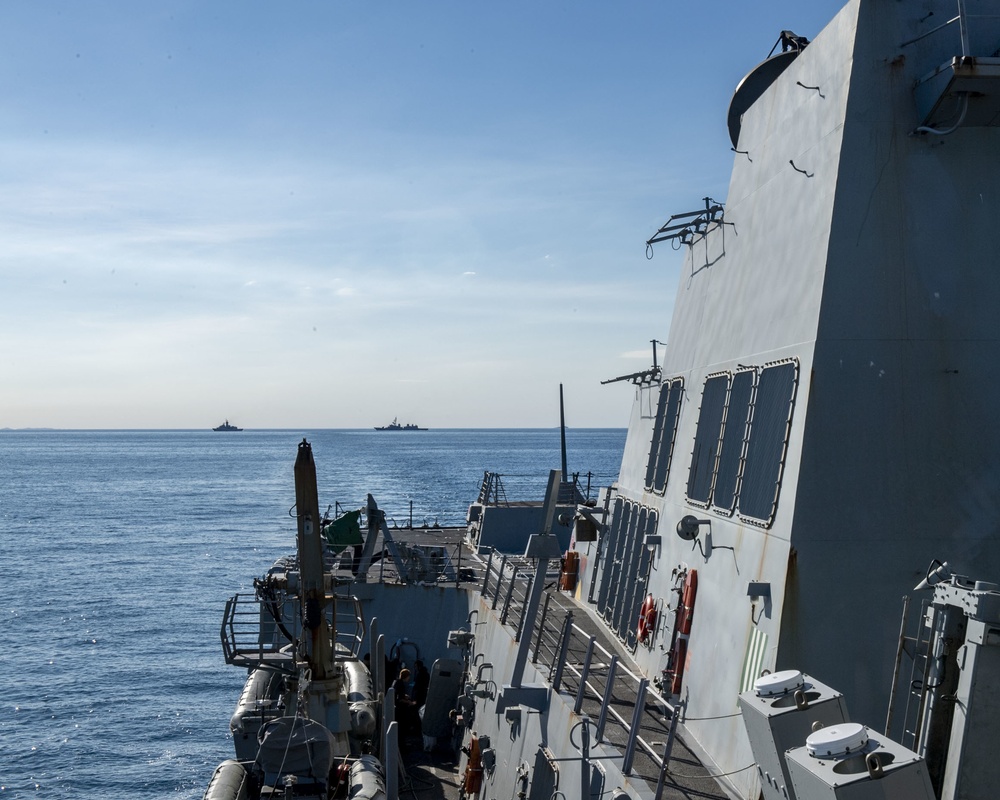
x,y
562,431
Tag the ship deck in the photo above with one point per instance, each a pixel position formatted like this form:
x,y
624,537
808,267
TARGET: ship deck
x,y
505,581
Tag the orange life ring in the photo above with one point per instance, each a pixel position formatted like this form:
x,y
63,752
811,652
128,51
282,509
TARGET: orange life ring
x,y
647,619
473,769
679,654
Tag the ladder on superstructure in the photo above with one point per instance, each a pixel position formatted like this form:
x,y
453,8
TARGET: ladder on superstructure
x,y
917,647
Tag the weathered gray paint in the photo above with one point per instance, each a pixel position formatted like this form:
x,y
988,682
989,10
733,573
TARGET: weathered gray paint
x,y
877,271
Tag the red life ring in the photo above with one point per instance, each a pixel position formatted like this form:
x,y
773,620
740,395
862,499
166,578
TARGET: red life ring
x,y
686,615
647,619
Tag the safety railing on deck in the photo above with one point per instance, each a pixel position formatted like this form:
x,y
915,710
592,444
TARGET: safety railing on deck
x,y
261,629
578,487
630,715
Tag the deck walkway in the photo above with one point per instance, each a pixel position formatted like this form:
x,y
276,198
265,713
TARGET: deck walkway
x,y
438,774
685,776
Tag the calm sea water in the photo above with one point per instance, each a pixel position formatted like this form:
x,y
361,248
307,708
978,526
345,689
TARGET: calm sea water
x,y
120,549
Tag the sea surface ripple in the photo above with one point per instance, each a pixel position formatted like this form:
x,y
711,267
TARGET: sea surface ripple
x,y
121,548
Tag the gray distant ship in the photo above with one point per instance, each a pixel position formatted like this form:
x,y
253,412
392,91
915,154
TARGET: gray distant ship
x,y
771,601
395,426
225,426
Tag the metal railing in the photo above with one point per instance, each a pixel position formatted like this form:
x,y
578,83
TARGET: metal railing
x,y
408,521
262,629
578,487
630,715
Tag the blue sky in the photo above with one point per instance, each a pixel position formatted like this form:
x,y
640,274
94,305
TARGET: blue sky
x,y
330,214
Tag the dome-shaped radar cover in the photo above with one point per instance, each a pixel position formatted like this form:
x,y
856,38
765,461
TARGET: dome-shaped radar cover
x,y
753,86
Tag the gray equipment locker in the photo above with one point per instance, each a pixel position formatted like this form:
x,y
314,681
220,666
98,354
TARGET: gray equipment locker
x,y
876,769
779,713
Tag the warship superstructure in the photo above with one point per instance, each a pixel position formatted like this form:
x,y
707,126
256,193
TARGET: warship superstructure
x,y
825,408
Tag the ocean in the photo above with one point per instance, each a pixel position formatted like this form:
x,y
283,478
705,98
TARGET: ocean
x,y
121,548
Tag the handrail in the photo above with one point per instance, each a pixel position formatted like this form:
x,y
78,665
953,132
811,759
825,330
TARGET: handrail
x,y
251,638
551,637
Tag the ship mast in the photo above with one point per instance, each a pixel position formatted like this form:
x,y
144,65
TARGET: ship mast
x,y
321,678
562,431
310,551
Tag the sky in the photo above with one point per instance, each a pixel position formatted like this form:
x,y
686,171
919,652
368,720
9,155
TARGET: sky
x,y
327,214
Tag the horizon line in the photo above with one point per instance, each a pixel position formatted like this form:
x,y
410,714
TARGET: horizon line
x,y
43,429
